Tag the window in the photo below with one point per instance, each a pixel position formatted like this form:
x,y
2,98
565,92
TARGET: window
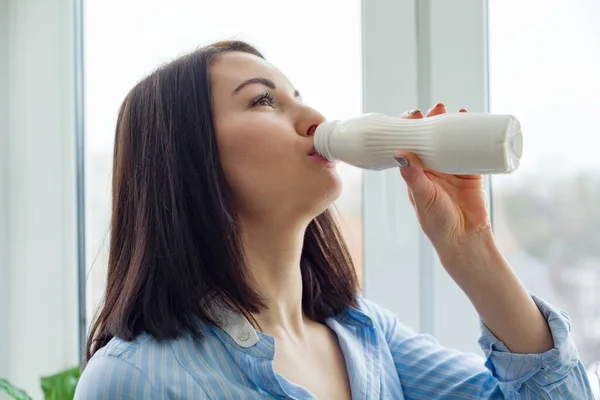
x,y
544,63
543,60
124,41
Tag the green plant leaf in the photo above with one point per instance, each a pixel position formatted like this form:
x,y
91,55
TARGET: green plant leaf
x,y
62,385
13,391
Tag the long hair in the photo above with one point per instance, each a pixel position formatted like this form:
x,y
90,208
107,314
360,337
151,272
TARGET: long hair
x,y
175,241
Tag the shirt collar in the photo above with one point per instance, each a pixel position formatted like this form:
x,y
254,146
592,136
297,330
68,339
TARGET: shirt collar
x,y
238,328
243,333
233,323
356,317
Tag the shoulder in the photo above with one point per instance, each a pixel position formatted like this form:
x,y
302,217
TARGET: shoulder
x,y
383,319
380,315
404,343
118,370
149,368
144,368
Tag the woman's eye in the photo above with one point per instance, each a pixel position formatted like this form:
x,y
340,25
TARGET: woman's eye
x,y
263,100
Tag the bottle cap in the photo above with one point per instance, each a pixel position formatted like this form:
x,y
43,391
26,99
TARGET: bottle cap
x,y
322,135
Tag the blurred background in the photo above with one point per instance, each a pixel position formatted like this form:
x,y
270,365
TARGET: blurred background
x,y
66,65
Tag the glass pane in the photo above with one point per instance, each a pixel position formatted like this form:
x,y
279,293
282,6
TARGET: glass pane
x,y
544,63
124,41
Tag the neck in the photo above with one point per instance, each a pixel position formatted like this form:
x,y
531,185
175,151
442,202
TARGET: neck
x,y
273,254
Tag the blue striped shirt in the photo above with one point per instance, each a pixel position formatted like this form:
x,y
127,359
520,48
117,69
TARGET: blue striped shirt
x,y
384,360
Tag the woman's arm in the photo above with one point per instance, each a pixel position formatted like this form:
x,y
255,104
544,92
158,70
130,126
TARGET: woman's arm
x,y
497,294
452,212
528,345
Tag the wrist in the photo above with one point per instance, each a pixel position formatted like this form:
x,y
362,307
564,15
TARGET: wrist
x,y
469,256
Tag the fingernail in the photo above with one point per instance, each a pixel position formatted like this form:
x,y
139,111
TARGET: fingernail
x,y
462,110
402,162
413,112
439,105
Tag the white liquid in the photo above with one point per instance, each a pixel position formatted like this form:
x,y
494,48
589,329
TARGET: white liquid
x,y
461,143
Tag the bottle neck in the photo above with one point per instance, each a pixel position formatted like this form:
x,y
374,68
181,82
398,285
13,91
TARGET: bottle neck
x,y
322,141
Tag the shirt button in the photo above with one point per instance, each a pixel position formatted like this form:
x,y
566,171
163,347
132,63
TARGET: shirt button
x,y
244,336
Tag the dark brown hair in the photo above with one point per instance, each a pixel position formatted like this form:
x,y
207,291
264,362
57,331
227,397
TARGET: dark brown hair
x,y
174,238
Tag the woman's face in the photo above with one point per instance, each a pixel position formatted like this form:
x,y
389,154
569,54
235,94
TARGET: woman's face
x,y
265,139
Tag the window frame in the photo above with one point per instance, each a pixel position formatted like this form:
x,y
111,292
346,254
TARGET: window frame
x,y
428,51
38,261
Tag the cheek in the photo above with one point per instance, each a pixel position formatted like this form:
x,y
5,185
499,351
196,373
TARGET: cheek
x,y
256,157
254,145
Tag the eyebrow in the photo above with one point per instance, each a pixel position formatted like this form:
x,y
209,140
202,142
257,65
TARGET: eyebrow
x,y
260,81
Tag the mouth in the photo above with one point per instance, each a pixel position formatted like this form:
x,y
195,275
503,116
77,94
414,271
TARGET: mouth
x,y
319,158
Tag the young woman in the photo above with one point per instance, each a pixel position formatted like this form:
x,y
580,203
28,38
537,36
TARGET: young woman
x,y
228,278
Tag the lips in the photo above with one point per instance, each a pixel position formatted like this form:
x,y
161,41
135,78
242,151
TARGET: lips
x,y
320,159
313,153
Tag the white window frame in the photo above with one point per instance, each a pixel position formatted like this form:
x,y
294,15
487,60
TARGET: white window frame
x,y
38,241
417,53
4,229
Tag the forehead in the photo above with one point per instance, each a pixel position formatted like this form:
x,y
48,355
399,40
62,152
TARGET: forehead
x,y
228,70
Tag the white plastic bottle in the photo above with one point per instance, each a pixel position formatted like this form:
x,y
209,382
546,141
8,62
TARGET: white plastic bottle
x,y
461,143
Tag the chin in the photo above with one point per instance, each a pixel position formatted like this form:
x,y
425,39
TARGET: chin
x,y
326,195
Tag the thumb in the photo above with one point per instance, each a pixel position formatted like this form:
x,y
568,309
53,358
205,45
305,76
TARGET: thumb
x,y
413,172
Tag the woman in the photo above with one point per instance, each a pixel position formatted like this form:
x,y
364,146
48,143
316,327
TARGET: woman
x,y
228,278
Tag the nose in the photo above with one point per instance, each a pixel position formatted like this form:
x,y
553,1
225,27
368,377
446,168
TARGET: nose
x,y
307,121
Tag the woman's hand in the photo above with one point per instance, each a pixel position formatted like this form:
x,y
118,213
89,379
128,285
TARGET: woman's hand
x,y
452,212
450,208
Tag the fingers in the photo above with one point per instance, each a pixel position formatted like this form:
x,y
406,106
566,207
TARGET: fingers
x,y
411,168
438,109
411,197
413,173
421,190
413,114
